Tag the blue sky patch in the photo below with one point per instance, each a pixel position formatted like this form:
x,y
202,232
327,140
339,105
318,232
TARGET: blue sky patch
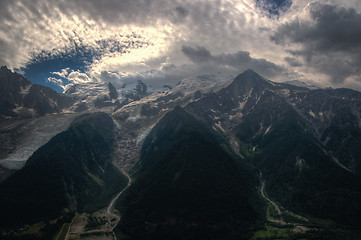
x,y
274,7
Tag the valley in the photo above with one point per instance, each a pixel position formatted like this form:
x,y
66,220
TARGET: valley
x,y
96,225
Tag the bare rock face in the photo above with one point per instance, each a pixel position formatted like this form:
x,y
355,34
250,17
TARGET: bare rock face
x,y
21,98
113,94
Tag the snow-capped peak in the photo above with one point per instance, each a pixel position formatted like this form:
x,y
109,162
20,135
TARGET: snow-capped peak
x,y
204,83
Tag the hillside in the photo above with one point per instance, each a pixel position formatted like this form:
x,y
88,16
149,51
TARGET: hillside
x,y
187,186
299,139
72,172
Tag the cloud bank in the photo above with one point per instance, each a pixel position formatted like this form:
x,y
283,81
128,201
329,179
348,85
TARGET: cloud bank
x,y
163,41
328,41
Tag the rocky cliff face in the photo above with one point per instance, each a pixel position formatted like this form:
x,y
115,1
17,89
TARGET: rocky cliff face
x,y
20,98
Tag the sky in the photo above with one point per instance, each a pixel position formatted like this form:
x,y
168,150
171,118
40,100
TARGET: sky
x,y
62,42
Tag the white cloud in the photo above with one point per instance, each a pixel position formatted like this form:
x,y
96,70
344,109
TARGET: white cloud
x,y
73,77
79,77
56,81
137,38
63,72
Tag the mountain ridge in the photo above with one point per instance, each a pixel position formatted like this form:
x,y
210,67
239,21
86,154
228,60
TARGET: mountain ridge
x,y
273,126
20,97
66,175
184,161
299,147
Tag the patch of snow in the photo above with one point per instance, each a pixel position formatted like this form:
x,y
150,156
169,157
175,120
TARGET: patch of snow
x,y
336,161
204,83
258,98
312,114
235,146
267,130
150,98
36,133
134,118
88,92
242,104
117,124
285,92
24,91
236,115
142,136
19,109
340,164
220,126
250,93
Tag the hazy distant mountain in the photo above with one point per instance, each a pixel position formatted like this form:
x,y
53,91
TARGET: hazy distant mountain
x,y
19,97
92,96
104,95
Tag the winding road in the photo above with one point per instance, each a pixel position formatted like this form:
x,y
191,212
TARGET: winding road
x,y
269,200
278,209
111,205
109,213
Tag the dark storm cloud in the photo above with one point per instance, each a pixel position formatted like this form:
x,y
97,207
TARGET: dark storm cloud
x,y
293,62
182,11
239,61
198,54
115,12
331,41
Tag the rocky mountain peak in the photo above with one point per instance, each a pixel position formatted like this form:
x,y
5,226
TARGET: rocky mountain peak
x,y
246,82
113,94
249,77
4,68
19,97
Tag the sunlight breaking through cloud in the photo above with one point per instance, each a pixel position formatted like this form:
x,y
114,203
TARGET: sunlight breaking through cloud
x,y
145,38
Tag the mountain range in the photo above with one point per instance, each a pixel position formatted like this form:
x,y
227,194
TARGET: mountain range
x,y
211,158
20,97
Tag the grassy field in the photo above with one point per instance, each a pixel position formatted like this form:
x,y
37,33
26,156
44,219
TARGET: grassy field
x,y
273,233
